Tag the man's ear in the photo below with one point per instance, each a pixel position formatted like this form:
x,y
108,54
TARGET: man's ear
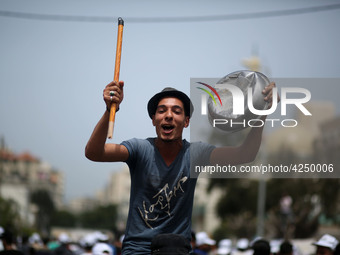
x,y
187,121
153,120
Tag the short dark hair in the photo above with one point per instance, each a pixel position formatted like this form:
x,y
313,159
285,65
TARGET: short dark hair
x,y
286,248
337,250
8,237
261,247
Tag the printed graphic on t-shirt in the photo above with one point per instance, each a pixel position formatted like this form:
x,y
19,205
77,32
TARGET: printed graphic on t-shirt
x,y
162,202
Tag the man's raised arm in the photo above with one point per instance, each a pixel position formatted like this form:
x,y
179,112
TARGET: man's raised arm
x,y
246,152
97,149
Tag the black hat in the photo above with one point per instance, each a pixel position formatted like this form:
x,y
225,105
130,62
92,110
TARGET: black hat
x,y
170,244
170,92
261,247
286,248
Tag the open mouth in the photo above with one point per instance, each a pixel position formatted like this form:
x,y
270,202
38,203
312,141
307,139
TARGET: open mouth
x,y
168,128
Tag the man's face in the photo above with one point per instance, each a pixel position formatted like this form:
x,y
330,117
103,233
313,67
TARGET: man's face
x,y
170,119
323,251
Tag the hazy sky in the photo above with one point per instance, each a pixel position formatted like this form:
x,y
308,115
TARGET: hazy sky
x,y
53,71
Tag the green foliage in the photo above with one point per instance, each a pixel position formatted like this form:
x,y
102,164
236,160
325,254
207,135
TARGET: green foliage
x,y
237,207
312,199
102,217
10,218
43,200
9,213
240,196
63,219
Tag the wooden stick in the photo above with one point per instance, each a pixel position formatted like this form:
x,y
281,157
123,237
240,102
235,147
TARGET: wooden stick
x,y
116,75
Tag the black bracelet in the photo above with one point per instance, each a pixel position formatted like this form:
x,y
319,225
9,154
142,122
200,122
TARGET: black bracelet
x,y
108,109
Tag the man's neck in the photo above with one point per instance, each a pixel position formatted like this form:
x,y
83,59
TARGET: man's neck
x,y
169,149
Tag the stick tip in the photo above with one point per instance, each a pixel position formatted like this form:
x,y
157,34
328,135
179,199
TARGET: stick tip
x,y
120,21
110,130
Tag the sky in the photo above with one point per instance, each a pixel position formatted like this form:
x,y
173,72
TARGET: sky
x,y
55,64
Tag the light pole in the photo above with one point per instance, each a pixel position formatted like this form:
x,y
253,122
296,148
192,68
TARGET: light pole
x,y
254,64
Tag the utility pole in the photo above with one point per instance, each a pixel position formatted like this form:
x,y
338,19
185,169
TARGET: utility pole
x,y
254,64
2,149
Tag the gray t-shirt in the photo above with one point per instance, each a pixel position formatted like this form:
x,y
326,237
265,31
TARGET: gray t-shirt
x,y
161,196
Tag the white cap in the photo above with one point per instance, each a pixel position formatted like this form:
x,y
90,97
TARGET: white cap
x,y
102,249
224,247
203,238
101,236
327,241
64,238
121,239
34,238
275,245
88,240
242,244
223,251
225,243
1,232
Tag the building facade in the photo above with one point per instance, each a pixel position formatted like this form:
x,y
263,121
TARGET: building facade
x,y
23,174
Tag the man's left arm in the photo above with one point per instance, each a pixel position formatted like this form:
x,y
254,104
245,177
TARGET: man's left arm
x,y
247,151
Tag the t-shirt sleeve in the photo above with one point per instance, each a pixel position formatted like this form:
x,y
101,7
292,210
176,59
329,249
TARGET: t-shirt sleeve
x,y
132,147
200,153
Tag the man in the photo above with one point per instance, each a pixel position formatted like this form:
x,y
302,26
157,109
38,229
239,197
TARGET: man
x,y
162,191
9,244
326,245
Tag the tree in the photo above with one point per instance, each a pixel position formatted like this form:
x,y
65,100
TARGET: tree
x,y
312,198
102,217
42,199
9,213
63,218
237,207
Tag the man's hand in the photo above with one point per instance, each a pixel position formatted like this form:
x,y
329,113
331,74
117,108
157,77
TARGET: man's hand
x,y
118,94
268,94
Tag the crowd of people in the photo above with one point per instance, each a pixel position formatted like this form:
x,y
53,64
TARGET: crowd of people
x,y
203,245
98,243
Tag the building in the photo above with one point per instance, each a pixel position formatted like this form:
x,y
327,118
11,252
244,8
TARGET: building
x,y
117,192
300,139
23,174
327,144
83,204
204,217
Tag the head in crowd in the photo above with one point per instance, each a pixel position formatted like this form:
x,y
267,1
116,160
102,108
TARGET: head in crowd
x,y
261,247
326,245
286,248
204,242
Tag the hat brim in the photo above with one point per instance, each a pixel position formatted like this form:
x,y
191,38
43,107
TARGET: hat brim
x,y
325,245
153,102
223,251
206,242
